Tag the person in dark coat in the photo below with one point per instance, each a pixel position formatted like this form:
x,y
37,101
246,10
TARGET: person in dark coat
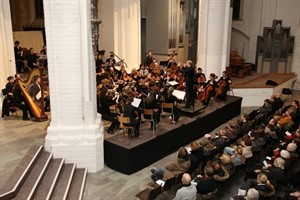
x,y
207,183
134,114
7,92
189,74
19,101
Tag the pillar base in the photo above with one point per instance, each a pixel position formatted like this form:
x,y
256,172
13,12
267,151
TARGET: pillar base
x,y
86,150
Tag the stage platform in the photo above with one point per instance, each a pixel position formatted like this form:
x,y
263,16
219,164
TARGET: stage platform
x,y
131,155
254,90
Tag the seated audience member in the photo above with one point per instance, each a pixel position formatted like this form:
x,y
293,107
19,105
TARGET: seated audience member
x,y
180,165
220,173
285,119
134,114
291,148
256,143
19,101
207,144
252,194
237,157
245,144
188,190
196,155
276,102
7,92
261,184
275,172
227,163
229,131
206,183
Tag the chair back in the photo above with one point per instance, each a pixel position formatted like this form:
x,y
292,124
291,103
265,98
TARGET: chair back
x,y
148,112
124,120
154,193
168,184
167,105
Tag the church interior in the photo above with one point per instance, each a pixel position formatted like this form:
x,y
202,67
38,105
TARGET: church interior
x,y
150,99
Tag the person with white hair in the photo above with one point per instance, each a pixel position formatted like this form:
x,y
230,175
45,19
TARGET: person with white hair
x,y
252,194
276,172
188,190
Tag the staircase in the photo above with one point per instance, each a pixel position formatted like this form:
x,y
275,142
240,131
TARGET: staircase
x,y
39,176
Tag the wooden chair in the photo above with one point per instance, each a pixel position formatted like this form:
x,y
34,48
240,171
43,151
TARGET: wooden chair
x,y
124,125
149,193
165,106
149,112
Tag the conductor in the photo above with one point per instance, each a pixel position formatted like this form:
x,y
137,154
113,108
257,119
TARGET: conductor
x,y
189,73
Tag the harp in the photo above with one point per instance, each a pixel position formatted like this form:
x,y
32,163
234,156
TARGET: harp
x,y
37,110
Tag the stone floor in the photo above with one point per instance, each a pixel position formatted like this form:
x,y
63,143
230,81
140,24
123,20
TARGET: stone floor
x,y
16,137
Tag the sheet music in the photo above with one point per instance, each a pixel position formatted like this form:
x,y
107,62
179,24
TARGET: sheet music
x,y
38,95
179,94
172,83
136,102
160,182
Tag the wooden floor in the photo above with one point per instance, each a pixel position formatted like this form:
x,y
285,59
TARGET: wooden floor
x,y
17,136
258,80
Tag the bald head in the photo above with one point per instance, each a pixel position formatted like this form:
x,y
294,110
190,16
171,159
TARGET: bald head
x,y
186,179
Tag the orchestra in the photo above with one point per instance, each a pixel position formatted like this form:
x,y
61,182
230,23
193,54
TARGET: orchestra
x,y
152,84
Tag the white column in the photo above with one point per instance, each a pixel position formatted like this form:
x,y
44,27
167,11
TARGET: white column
x,y
127,31
75,132
213,34
7,59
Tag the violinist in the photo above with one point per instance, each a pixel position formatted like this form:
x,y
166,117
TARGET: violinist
x,y
134,114
151,102
143,70
110,61
208,90
189,73
32,59
224,86
171,61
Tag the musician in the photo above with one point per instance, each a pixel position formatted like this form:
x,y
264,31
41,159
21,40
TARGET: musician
x,y
35,89
208,90
7,92
151,102
200,77
99,62
224,86
19,101
171,61
189,73
32,59
170,98
19,57
43,52
134,114
149,59
143,70
107,101
111,60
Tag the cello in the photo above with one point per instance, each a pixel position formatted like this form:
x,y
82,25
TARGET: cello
x,y
222,85
203,96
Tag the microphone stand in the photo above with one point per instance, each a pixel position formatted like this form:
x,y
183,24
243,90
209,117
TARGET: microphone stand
x,y
121,60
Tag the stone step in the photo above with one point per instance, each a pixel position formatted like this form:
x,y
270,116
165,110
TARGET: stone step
x,y
35,177
19,175
77,185
50,179
61,189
